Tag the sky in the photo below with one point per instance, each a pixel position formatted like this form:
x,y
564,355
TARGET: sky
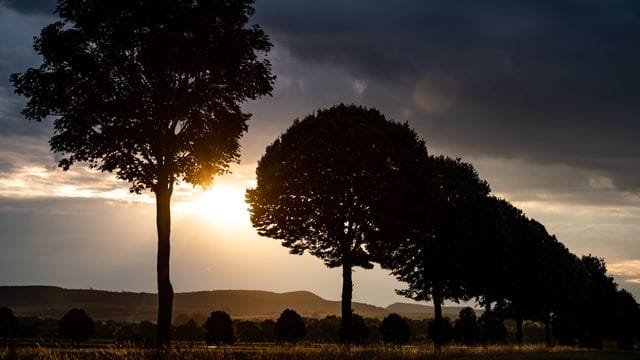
x,y
542,97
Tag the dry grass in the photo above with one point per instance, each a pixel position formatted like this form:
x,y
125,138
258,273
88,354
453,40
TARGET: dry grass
x,y
324,352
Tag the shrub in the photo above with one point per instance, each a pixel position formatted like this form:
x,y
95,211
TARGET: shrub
x,y
290,327
76,326
395,330
218,329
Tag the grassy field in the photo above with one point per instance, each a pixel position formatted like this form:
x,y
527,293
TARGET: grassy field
x,y
325,352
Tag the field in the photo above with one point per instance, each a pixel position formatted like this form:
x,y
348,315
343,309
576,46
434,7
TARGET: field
x,y
323,352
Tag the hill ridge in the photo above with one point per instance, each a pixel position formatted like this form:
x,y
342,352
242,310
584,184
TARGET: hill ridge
x,y
54,301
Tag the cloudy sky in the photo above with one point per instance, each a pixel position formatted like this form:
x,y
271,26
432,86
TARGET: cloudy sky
x,y
542,97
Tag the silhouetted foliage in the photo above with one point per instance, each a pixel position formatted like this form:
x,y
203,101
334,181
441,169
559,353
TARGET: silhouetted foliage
x,y
627,320
267,328
425,240
150,90
218,329
440,331
290,327
76,326
395,330
359,330
492,328
466,327
326,330
189,331
8,324
249,331
320,183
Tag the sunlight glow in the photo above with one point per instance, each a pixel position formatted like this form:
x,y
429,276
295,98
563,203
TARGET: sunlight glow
x,y
223,204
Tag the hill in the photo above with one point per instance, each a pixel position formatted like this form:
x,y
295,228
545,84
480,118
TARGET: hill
x,y
417,311
50,301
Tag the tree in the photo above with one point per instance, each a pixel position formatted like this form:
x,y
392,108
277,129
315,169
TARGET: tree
x,y
189,331
218,329
320,183
248,331
8,324
627,319
289,327
492,328
359,330
150,90
440,331
427,242
395,330
267,329
466,327
76,326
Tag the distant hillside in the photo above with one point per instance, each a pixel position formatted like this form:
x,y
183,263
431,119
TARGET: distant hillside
x,y
50,301
417,311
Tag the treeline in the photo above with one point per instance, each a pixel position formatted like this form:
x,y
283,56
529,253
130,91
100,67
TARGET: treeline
x,y
353,189
77,327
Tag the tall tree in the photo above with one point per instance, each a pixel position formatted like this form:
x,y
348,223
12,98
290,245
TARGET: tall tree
x,y
321,182
426,244
150,90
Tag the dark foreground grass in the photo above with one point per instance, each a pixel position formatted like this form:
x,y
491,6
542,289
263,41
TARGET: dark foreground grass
x,y
327,352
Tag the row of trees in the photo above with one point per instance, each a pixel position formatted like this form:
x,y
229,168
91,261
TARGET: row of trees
x,y
219,329
353,188
152,91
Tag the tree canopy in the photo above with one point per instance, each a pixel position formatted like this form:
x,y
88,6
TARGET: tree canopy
x,y
218,329
290,327
76,326
320,184
426,241
152,91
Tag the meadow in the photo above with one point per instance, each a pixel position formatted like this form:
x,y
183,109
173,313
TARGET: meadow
x,y
322,352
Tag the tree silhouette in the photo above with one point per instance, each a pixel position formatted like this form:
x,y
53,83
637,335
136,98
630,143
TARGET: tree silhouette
x,y
440,331
150,90
189,331
218,329
466,327
395,330
426,241
8,324
248,331
289,327
627,319
76,326
321,182
492,328
359,330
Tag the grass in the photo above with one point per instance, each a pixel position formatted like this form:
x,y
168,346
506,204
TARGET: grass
x,y
323,352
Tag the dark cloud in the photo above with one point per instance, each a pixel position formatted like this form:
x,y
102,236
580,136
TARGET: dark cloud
x,y
31,6
544,81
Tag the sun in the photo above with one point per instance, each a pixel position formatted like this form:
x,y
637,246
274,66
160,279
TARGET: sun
x,y
223,204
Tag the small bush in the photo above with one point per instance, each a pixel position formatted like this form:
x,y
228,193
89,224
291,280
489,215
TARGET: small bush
x,y
290,327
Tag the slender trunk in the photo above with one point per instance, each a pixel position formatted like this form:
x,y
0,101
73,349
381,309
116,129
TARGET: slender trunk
x,y
347,294
437,314
487,320
165,291
547,332
519,332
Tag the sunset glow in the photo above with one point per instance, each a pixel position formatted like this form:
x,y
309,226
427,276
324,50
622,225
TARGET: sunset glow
x,y
223,204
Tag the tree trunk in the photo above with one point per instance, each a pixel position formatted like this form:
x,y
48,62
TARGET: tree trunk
x,y
487,319
165,291
547,332
347,294
437,314
519,331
